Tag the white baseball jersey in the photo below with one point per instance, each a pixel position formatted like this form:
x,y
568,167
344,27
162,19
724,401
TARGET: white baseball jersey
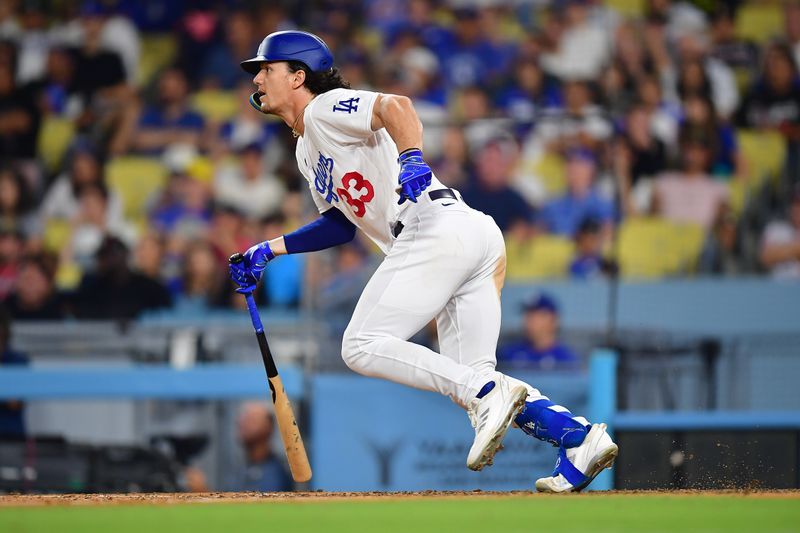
x,y
350,167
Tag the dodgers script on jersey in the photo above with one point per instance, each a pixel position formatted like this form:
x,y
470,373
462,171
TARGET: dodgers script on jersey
x,y
350,167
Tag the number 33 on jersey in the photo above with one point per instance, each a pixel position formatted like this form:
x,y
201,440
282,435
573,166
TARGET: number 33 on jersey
x,y
347,165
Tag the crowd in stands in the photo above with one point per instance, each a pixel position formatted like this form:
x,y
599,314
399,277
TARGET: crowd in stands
x,y
648,138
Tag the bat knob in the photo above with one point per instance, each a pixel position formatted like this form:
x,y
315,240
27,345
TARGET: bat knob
x,y
236,258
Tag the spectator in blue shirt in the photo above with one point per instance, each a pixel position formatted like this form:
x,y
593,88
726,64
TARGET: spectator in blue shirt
x,y
491,190
589,262
12,419
221,67
540,347
562,216
171,122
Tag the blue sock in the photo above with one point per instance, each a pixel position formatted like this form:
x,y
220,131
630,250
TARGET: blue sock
x,y
486,389
552,423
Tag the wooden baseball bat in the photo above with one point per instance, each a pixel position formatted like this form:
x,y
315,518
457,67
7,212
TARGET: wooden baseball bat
x,y
287,424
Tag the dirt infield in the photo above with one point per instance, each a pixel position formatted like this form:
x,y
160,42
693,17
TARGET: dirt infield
x,y
27,500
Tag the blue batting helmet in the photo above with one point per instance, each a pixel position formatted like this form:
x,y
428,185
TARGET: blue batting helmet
x,y
299,46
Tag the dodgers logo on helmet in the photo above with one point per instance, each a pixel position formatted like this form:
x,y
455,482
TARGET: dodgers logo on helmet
x,y
291,46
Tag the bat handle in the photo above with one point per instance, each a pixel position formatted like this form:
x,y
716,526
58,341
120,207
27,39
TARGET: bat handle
x,y
251,303
254,316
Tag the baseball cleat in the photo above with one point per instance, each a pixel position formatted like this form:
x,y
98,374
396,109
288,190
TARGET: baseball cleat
x,y
491,416
577,467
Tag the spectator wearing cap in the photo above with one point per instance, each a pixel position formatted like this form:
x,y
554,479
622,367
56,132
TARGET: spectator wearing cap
x,y
588,262
691,195
246,186
540,347
491,190
171,121
563,215
780,244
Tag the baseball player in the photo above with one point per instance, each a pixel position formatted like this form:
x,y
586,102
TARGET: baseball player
x,y
361,153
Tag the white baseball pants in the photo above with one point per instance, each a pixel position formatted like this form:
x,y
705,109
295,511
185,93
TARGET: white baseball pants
x,y
448,263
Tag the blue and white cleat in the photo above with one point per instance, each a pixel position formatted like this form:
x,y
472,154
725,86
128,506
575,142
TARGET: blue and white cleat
x,y
491,416
577,467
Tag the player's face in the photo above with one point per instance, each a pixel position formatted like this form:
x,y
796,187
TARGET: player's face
x,y
274,82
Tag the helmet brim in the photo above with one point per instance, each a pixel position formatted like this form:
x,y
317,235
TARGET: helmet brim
x,y
253,65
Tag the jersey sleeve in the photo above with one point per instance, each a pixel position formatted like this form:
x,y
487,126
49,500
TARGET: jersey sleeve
x,y
344,116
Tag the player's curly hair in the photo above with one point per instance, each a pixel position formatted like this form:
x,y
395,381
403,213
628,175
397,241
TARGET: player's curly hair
x,y
320,82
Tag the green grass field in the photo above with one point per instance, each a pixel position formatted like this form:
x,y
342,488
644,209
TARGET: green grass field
x,y
536,513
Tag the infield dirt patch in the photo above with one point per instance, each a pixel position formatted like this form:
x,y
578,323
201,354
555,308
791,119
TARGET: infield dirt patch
x,y
26,500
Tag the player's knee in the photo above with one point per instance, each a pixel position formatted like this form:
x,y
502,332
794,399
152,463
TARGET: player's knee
x,y
353,352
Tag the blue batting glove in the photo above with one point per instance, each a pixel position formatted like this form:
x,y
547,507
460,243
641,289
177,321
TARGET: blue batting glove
x,y
246,274
415,174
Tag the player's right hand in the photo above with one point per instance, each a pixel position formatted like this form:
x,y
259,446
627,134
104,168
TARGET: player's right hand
x,y
247,273
415,174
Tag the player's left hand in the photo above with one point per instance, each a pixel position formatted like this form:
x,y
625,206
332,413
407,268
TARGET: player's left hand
x,y
247,273
415,175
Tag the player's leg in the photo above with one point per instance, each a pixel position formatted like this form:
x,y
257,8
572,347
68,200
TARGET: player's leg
x,y
427,265
415,280
468,330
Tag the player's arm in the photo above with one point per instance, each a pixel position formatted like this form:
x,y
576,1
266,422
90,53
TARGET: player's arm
x,y
329,230
397,115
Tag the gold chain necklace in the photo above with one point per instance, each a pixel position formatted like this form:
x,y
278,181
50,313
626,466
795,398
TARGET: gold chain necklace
x,y
295,133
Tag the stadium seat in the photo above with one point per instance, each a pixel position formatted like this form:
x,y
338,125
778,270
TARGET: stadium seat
x,y
55,136
764,152
545,256
654,247
627,8
135,179
550,169
158,51
68,276
215,106
56,232
760,21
